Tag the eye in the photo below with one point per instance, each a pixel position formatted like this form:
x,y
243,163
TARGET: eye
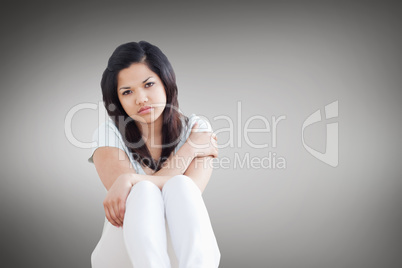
x,y
126,92
149,84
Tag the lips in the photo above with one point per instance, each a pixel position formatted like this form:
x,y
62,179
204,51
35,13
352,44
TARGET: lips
x,y
144,108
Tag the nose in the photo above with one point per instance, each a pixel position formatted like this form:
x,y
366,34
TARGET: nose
x,y
141,98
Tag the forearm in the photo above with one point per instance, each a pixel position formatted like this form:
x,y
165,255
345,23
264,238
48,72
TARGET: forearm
x,y
176,164
157,180
200,171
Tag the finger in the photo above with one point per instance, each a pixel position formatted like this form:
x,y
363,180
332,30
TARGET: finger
x,y
108,216
118,212
115,213
214,142
213,137
122,210
112,216
215,153
195,125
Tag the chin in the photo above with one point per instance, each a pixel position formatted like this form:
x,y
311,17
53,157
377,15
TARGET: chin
x,y
147,118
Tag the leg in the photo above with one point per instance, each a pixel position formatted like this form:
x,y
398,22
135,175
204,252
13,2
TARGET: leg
x,y
110,251
190,228
144,227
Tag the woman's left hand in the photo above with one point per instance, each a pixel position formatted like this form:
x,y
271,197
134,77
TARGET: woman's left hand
x,y
115,201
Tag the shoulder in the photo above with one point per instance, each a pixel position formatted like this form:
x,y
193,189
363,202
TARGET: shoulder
x,y
105,130
203,123
188,123
106,135
108,125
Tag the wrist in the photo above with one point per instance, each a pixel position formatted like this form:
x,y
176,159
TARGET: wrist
x,y
131,178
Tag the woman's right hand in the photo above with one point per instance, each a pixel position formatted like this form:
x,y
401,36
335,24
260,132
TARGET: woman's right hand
x,y
115,200
203,143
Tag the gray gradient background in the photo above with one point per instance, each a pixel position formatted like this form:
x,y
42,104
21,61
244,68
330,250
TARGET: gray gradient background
x,y
277,59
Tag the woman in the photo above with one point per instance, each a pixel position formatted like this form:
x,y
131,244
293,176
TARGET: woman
x,y
154,163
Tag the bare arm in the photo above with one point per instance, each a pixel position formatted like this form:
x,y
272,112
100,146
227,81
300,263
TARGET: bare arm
x,y
112,163
118,175
198,146
110,167
200,171
176,164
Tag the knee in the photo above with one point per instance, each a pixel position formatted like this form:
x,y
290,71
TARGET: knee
x,y
179,182
143,186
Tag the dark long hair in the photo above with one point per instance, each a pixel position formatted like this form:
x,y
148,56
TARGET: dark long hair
x,y
143,52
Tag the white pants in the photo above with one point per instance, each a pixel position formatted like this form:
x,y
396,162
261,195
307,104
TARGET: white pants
x,y
155,222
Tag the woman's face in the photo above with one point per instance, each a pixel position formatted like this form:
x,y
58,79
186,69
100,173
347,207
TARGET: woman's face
x,y
139,87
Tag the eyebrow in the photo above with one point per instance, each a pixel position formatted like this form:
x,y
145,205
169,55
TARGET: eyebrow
x,y
130,87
